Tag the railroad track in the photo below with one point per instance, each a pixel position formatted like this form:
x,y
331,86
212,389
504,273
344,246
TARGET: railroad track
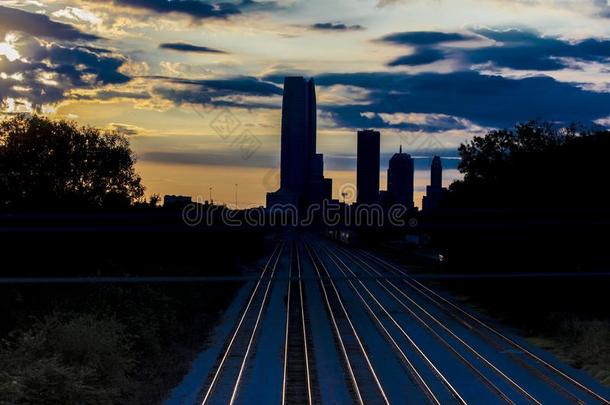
x,y
395,325
224,383
401,298
487,332
367,388
299,377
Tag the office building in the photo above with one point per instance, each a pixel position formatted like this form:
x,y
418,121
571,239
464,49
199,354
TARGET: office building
x,y
434,192
367,176
401,174
302,179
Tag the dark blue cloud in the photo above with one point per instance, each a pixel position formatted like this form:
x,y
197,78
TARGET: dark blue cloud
x,y
198,9
336,27
184,47
515,49
193,8
263,159
422,159
239,85
422,56
39,25
529,50
492,101
215,92
421,38
49,71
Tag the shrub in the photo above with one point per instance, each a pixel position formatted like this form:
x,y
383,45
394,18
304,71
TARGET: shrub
x,y
67,360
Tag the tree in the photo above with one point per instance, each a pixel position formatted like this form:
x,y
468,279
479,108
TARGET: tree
x,y
536,165
57,165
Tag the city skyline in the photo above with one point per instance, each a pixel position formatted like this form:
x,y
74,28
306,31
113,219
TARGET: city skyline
x,y
197,88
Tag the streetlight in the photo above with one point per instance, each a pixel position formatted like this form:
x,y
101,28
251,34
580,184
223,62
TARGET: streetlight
x,y
236,186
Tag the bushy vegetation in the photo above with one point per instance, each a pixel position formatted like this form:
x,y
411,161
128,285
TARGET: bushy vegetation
x,y
585,344
105,344
57,165
67,360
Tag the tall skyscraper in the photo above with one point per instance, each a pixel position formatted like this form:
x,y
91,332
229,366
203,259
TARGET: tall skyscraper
x,y
401,173
367,177
302,180
434,192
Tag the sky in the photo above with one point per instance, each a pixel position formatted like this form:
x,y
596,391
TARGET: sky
x,y
196,84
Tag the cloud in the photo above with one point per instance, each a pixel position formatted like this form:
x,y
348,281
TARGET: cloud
x,y
78,14
512,48
420,38
420,57
39,25
482,100
327,26
449,159
264,159
184,47
196,9
207,158
47,72
125,129
241,91
240,84
596,8
529,50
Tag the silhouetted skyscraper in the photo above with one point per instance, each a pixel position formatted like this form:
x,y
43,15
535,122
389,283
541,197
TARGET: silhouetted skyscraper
x,y
434,192
367,180
436,173
401,173
301,173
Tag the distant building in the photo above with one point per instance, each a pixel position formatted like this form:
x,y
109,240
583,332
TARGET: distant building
x,y
401,174
302,179
176,201
434,192
367,177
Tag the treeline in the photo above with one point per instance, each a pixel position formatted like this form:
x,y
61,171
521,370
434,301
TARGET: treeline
x,y
533,212
533,199
71,205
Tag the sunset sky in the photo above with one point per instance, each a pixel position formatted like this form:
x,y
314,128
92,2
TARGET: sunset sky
x,y
196,84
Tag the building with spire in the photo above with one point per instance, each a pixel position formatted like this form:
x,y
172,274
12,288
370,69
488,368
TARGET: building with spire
x,y
302,179
434,192
401,180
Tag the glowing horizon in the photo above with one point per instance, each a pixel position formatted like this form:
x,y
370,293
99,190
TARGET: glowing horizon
x,y
184,80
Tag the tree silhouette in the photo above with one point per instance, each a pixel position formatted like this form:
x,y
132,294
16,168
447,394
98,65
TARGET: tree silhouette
x,y
536,165
57,165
